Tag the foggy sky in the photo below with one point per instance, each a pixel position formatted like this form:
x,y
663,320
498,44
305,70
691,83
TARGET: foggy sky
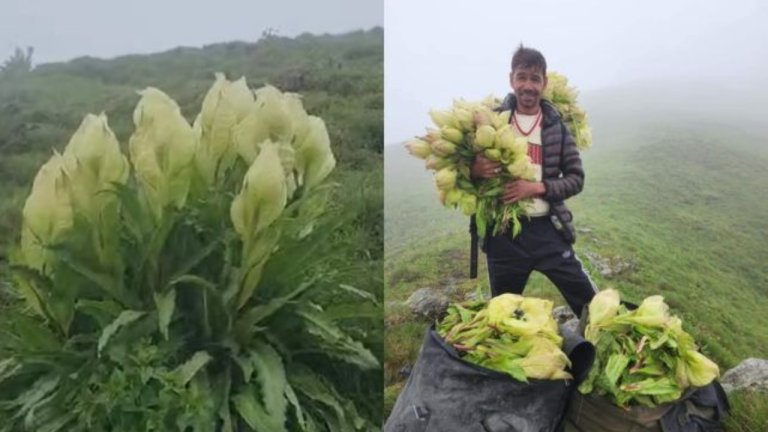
x,y
62,30
437,50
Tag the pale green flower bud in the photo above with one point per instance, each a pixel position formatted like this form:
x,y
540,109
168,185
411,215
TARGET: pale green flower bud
x,y
453,196
499,120
263,195
225,105
485,136
584,137
490,102
493,154
444,118
443,148
482,117
314,159
505,139
432,135
604,306
94,162
436,163
275,116
47,213
162,149
446,179
468,204
465,118
442,196
453,135
521,169
419,148
520,147
652,312
701,370
94,148
502,306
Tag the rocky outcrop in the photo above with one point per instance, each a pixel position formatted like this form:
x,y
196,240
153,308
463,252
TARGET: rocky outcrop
x,y
610,267
751,374
428,303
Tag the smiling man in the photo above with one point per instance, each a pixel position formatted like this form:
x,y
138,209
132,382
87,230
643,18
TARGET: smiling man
x,y
545,242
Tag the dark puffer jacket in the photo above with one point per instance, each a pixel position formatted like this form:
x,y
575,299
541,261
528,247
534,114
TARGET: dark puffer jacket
x,y
562,172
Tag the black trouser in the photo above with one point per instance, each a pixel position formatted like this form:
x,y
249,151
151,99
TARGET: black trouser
x,y
538,247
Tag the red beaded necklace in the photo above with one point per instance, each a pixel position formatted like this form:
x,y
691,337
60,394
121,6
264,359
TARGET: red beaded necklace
x,y
535,123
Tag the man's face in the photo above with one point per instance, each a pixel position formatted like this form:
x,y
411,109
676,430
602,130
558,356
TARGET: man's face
x,y
528,83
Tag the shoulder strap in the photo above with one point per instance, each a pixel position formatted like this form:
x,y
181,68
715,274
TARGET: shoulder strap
x,y
473,247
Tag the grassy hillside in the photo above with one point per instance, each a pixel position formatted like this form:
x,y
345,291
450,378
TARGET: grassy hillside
x,y
682,197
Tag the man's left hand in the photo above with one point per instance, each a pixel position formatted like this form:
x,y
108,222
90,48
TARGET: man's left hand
x,y
521,189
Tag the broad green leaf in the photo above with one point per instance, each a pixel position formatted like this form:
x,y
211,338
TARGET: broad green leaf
x,y
260,313
253,413
270,373
187,371
26,283
125,318
165,303
194,280
103,311
617,363
105,282
34,334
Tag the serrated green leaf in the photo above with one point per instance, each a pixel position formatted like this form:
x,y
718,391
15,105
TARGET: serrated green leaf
x,y
38,391
334,342
305,381
8,367
294,401
125,318
270,373
191,367
260,313
358,292
617,363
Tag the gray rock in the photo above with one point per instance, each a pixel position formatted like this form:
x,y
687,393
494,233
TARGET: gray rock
x,y
428,303
562,314
750,374
572,326
472,296
610,267
566,319
405,371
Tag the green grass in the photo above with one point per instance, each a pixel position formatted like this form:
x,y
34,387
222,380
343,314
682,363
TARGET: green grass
x,y
684,201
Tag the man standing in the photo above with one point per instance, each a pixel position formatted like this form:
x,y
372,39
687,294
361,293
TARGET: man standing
x,y
544,244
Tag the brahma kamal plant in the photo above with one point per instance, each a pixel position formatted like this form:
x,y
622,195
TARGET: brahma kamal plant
x,y
187,285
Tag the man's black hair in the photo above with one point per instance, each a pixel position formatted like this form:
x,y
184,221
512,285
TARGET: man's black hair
x,y
529,57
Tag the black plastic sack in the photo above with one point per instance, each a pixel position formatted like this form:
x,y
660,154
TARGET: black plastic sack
x,y
447,394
